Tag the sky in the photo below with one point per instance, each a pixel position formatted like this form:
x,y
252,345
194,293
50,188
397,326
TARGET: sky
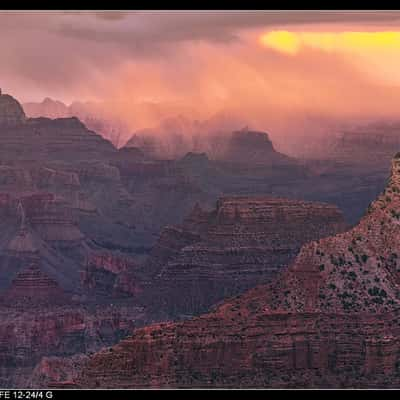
x,y
275,68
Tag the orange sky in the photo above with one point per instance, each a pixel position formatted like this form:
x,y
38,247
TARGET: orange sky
x,y
269,75
275,69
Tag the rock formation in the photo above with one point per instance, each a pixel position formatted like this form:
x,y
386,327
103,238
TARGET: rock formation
x,y
11,112
46,139
369,144
95,119
254,148
79,218
241,243
245,166
57,372
26,336
109,274
52,219
33,287
330,320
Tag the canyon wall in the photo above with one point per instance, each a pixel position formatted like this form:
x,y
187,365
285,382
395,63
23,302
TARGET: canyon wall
x,y
330,320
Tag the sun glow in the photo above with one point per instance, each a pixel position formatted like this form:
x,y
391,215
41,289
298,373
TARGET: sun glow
x,y
293,42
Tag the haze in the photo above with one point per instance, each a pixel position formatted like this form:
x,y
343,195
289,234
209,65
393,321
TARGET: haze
x,y
290,73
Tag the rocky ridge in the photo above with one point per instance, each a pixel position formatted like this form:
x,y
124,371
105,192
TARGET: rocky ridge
x,y
330,320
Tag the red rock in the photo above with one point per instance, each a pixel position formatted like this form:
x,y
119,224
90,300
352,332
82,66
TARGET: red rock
x,y
56,372
32,287
110,274
51,332
245,241
330,320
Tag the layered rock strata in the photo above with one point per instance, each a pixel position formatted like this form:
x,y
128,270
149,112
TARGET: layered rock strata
x,y
28,336
330,320
242,243
110,274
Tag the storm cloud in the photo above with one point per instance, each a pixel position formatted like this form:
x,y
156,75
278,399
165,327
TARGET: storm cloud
x,y
205,62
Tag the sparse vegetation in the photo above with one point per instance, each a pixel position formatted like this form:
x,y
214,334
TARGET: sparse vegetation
x,y
395,214
364,258
378,294
352,275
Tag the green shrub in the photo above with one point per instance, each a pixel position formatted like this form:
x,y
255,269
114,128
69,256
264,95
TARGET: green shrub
x,y
364,258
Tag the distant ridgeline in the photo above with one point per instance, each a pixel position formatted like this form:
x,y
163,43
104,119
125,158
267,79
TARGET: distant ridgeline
x,y
373,143
25,138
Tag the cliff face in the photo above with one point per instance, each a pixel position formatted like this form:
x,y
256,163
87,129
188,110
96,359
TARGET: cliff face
x,y
360,263
11,112
245,167
253,148
31,287
110,274
243,345
245,241
330,320
53,219
370,144
61,139
95,119
59,197
40,230
91,213
44,138
26,336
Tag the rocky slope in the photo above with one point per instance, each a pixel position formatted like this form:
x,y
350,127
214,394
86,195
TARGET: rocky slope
x,y
331,320
241,243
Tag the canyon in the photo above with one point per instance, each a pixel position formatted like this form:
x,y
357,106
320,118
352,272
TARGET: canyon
x,y
97,241
204,200
329,320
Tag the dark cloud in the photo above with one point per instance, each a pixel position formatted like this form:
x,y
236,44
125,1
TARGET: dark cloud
x,y
170,27
66,51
